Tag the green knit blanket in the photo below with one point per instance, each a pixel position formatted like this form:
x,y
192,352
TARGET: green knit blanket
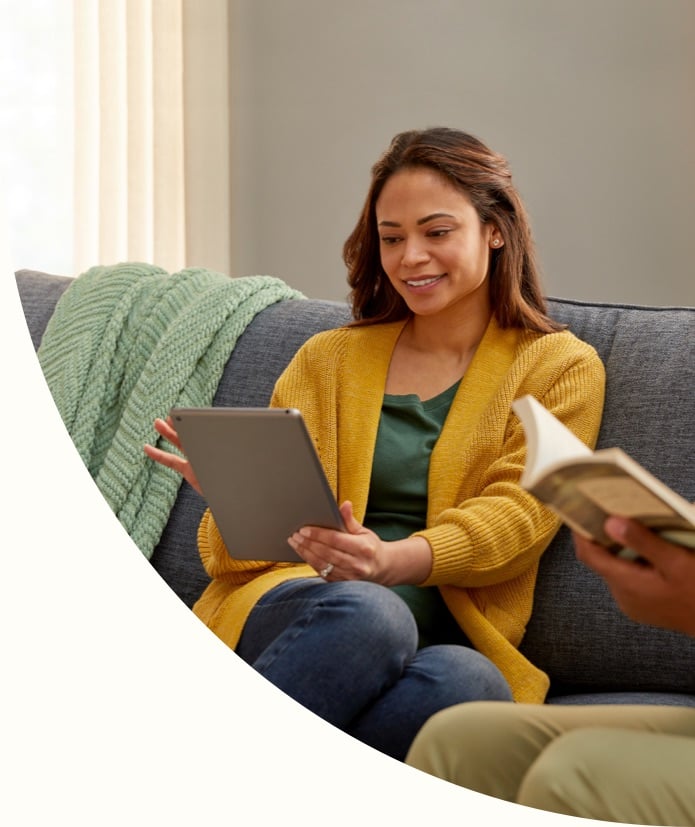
x,y
124,345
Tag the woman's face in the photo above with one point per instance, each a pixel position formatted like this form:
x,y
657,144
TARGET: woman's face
x,y
434,248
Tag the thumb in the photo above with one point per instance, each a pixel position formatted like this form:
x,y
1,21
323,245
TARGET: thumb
x,y
351,524
638,538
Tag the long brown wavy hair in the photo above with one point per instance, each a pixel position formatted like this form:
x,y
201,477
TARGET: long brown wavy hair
x,y
485,178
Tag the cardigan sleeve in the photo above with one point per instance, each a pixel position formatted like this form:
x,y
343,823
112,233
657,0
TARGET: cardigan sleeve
x,y
494,530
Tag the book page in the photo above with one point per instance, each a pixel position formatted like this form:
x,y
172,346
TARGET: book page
x,y
584,495
624,496
548,441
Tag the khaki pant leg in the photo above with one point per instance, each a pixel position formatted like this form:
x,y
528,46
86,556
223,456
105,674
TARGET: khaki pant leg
x,y
490,746
622,775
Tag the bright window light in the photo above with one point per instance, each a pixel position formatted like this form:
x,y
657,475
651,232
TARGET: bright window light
x,y
36,132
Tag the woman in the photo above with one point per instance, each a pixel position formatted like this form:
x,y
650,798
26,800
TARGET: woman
x,y
422,603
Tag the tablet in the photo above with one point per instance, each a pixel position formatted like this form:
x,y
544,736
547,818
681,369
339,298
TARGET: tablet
x,y
260,474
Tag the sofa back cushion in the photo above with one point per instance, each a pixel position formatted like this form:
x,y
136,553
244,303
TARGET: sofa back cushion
x,y
576,633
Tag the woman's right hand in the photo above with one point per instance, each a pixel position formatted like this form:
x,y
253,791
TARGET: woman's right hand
x,y
177,463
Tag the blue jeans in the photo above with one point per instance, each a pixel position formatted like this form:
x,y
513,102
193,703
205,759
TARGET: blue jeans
x,y
348,651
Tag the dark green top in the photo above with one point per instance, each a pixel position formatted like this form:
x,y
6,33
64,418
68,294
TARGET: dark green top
x,y
397,505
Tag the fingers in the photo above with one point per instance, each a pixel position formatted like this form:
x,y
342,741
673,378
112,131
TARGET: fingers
x,y
638,544
352,553
645,543
605,562
589,552
168,459
165,428
173,461
320,553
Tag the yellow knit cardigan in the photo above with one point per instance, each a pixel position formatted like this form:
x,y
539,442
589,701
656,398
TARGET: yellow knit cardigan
x,y
486,533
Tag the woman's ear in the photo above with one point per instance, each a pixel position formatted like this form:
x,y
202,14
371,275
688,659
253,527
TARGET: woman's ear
x,y
495,239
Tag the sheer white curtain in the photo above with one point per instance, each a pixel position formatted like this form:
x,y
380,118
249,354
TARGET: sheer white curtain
x,y
152,133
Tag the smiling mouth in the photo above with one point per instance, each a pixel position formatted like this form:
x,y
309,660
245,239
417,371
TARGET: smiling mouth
x,y
423,282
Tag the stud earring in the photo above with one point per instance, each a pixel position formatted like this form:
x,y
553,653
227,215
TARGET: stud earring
x,y
496,242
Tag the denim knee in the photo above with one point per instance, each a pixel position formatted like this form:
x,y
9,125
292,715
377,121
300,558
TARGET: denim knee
x,y
312,639
471,676
354,620
374,615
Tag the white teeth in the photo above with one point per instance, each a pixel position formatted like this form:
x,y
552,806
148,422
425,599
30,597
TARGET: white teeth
x,y
423,282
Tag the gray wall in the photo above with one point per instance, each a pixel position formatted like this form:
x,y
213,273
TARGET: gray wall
x,y
592,102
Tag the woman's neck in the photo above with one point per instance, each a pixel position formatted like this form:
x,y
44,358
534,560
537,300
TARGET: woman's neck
x,y
452,335
431,356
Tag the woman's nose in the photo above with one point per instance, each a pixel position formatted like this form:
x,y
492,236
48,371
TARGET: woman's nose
x,y
414,253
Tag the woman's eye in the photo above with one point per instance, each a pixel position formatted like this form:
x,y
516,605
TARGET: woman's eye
x,y
389,240
439,233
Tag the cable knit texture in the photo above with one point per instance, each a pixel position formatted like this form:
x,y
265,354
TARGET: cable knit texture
x,y
486,533
125,344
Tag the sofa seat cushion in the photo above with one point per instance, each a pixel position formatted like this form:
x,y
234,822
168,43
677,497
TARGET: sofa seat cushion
x,y
641,698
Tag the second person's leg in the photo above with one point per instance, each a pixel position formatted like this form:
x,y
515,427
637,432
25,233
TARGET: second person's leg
x,y
490,748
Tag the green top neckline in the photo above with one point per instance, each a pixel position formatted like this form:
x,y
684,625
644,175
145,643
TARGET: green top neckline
x,y
445,397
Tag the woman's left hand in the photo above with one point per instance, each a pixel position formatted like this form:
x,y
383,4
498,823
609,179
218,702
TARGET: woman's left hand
x,y
359,554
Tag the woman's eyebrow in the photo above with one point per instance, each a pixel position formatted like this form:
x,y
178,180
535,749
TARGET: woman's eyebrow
x,y
420,221
433,216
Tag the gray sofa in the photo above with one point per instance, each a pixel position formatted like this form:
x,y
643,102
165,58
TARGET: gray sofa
x,y
576,634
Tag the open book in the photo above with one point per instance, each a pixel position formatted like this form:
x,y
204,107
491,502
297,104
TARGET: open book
x,y
583,487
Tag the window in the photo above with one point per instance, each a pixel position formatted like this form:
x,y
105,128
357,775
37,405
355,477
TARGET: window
x,y
36,125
